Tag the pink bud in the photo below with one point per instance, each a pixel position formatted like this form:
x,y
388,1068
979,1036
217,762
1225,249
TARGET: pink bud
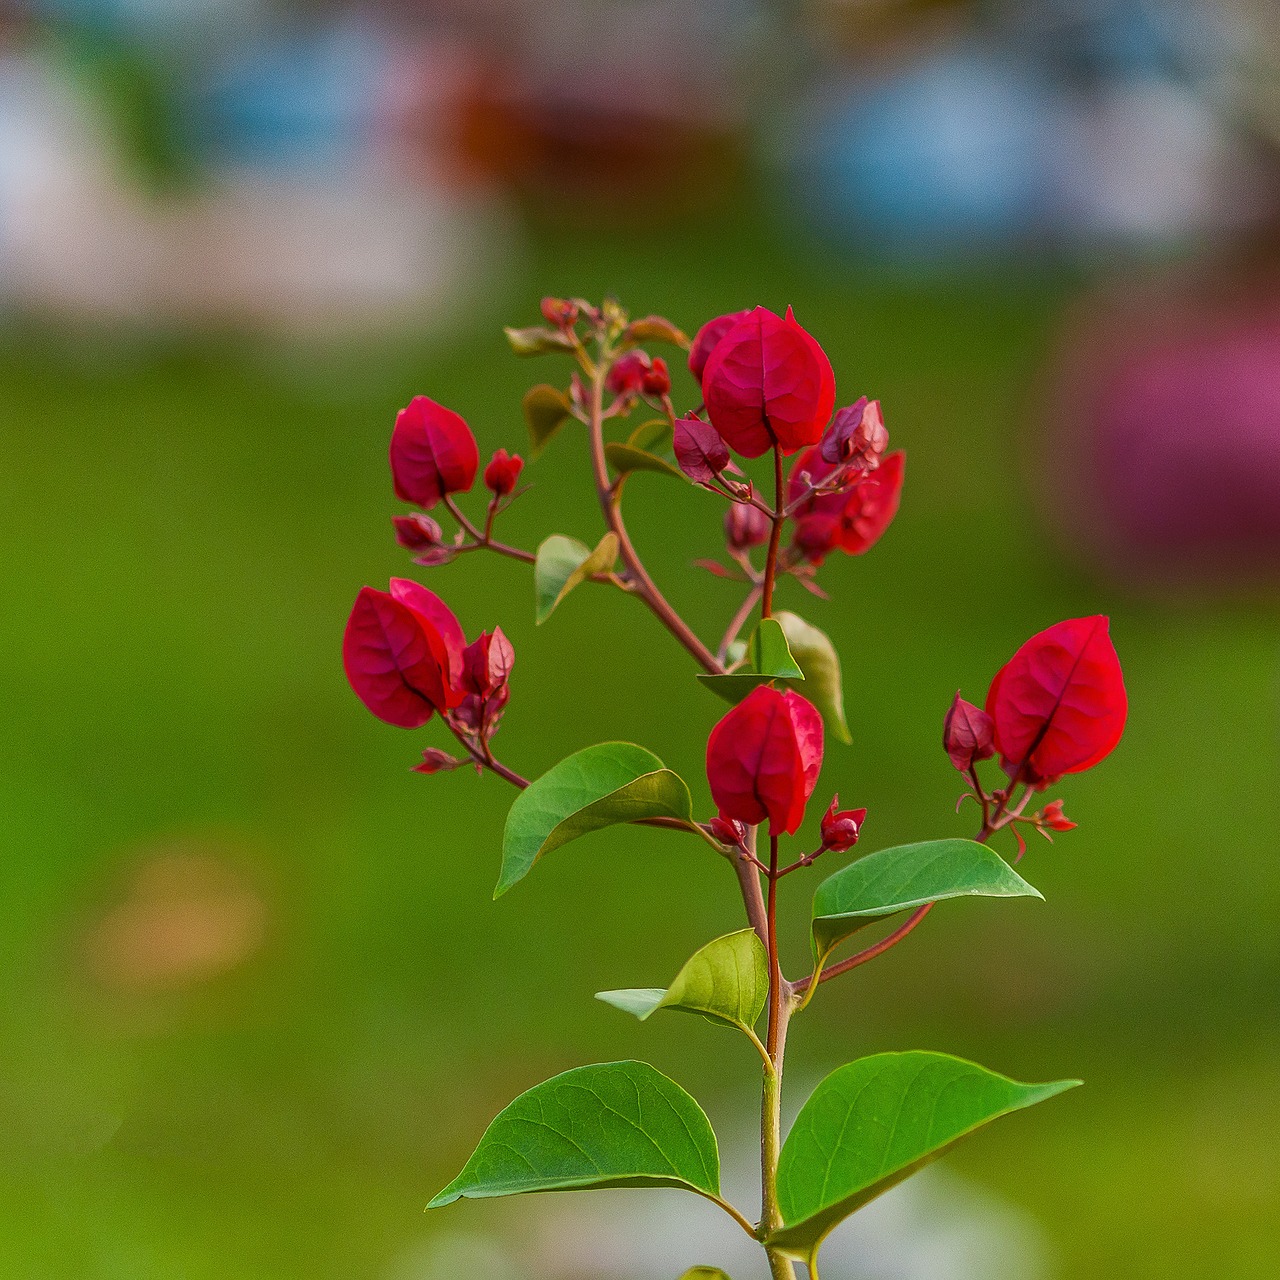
x,y
728,830
559,312
1053,817
417,532
436,761
816,536
746,526
856,436
841,827
968,734
487,663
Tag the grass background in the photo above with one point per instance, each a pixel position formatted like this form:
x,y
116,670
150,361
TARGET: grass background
x,y
185,525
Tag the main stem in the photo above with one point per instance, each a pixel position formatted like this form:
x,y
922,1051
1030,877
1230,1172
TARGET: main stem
x,y
646,588
780,1268
775,537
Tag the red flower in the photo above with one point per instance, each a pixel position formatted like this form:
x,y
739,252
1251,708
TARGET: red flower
x,y
401,652
768,382
763,759
1059,704
705,340
967,734
841,827
433,453
862,512
502,472
628,373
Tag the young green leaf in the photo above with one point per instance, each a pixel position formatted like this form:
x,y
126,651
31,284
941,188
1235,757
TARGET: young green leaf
x,y
546,409
817,658
597,787
875,1122
624,458
905,877
653,436
769,660
727,981
562,563
704,1273
617,1124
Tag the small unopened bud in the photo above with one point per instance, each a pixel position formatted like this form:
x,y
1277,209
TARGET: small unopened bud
x,y
657,378
746,526
560,312
816,536
436,761
968,734
628,373
502,472
841,827
856,436
487,663
417,532
727,830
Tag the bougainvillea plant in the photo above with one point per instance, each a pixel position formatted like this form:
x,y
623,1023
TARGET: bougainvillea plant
x,y
1056,707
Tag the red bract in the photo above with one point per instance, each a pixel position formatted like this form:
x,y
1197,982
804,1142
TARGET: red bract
x,y
657,379
856,436
435,613
1059,704
763,759
1053,817
503,471
397,661
705,340
699,450
433,453
967,734
768,382
860,513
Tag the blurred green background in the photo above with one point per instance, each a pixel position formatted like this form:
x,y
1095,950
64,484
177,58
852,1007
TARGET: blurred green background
x,y
269,1073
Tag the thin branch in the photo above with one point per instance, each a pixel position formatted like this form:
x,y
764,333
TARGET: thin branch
x,y
482,540
870,953
775,537
738,621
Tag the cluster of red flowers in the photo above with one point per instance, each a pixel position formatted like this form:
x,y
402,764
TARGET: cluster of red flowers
x,y
767,383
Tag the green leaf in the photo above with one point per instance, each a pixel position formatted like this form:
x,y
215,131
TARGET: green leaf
x,y
905,877
818,660
704,1273
624,458
562,563
875,1122
537,341
617,1124
769,660
546,409
727,982
653,436
597,787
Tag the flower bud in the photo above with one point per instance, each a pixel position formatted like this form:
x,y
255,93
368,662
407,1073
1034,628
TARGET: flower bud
x,y
1053,817
657,378
816,536
727,830
417,532
968,734
560,312
746,526
433,453
841,827
763,759
502,472
487,663
436,761
627,375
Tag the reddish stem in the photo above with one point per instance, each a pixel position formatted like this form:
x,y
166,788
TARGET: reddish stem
x,y
775,967
775,537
